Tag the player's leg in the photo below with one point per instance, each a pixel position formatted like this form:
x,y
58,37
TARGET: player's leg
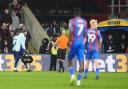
x,y
54,62
79,77
26,66
17,57
96,57
61,65
29,65
88,58
51,62
63,58
59,58
70,64
86,69
80,55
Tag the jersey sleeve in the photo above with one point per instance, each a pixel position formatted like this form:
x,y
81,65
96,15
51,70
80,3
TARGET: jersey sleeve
x,y
57,41
23,39
99,36
86,34
85,26
14,40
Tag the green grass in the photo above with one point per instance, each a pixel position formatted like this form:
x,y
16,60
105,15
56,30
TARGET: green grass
x,y
55,80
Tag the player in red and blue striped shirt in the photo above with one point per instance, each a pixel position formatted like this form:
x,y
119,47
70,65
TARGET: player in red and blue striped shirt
x,y
77,27
93,43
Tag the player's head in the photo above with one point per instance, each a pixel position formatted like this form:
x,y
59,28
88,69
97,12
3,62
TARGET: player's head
x,y
77,12
93,23
13,13
17,31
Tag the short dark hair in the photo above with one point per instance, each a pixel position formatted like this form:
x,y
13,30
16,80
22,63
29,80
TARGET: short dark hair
x,y
45,40
77,11
17,30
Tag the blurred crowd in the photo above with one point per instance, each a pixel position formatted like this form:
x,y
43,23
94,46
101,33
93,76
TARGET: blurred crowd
x,y
10,21
54,30
113,41
117,44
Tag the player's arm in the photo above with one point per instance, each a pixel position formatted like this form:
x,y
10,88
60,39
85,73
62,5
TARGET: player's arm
x,y
100,39
23,39
14,40
85,32
70,27
57,42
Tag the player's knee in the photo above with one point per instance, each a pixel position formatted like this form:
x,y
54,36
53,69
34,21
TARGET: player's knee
x,y
69,63
87,63
81,68
96,63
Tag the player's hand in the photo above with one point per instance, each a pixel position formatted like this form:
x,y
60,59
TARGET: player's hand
x,y
100,46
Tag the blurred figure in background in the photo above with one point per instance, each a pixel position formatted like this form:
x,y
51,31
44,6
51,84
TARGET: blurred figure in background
x,y
4,31
5,47
0,43
7,17
53,53
27,35
122,44
50,31
109,45
44,47
56,28
18,46
62,43
10,40
15,20
15,6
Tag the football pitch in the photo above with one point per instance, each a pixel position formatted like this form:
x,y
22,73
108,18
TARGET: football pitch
x,y
55,80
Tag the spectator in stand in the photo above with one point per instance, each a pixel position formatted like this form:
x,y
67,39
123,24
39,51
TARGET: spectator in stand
x,y
27,35
5,47
4,32
15,6
50,30
15,20
6,39
11,28
109,44
0,43
53,53
10,40
56,28
44,47
7,17
122,44
1,18
22,2
65,26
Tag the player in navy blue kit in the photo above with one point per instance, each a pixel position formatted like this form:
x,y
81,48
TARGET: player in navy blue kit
x,y
94,42
77,28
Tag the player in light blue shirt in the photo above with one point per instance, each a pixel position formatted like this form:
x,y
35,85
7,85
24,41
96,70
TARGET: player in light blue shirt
x,y
18,46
